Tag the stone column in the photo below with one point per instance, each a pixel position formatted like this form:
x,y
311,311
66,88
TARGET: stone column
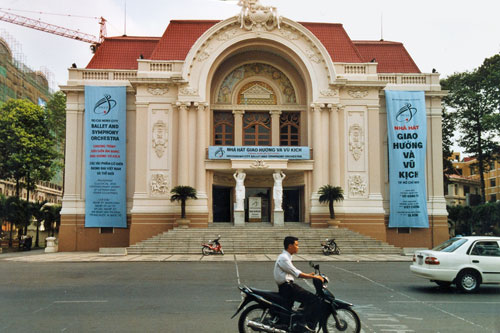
x,y
375,145
238,127
316,136
182,170
275,127
201,145
334,145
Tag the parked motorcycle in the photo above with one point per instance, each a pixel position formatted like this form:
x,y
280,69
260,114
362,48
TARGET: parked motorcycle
x,y
272,313
212,247
330,247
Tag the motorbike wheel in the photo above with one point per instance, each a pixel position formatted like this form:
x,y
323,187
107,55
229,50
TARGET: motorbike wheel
x,y
349,322
326,251
205,250
253,313
337,250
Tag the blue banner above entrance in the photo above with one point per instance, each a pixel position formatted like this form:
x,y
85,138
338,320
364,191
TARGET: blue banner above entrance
x,y
407,134
105,157
258,152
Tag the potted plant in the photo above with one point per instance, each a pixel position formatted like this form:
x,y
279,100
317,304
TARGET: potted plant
x,y
183,193
329,194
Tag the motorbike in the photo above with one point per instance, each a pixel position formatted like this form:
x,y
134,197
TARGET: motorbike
x,y
274,314
330,247
212,247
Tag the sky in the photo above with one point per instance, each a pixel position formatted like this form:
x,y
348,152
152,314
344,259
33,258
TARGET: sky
x,y
448,35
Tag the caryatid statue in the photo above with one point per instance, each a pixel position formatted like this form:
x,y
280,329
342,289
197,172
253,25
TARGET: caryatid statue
x,y
278,176
239,176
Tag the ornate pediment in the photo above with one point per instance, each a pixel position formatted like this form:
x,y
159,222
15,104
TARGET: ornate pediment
x,y
257,92
254,16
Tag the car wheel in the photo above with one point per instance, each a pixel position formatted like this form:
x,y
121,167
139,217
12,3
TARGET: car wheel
x,y
468,281
443,284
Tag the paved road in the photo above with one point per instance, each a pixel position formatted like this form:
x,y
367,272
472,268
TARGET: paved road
x,y
201,297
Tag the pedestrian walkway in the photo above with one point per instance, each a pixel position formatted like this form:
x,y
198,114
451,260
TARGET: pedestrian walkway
x,y
97,257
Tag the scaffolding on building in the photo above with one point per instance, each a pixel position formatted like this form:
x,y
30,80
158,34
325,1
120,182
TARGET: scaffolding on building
x,y
23,73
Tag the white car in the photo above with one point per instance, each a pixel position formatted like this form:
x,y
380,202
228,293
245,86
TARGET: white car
x,y
466,261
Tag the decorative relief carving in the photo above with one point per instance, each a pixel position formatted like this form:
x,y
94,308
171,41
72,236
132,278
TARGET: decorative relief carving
x,y
254,16
356,141
329,92
358,93
313,56
159,138
357,186
223,179
157,90
259,164
188,91
226,35
159,184
289,34
205,54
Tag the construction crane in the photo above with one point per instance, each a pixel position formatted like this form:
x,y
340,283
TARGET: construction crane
x,y
55,29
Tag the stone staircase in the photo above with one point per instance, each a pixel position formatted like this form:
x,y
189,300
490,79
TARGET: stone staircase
x,y
259,238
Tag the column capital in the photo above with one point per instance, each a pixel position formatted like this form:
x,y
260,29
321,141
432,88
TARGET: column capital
x,y
238,112
183,105
275,112
201,106
317,106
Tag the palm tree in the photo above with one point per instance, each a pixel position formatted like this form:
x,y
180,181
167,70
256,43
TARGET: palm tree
x,y
182,193
329,194
52,213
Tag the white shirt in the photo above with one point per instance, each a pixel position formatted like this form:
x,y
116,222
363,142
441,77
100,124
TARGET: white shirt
x,y
284,270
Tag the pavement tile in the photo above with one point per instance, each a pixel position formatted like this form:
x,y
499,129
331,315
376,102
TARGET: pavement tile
x,y
95,257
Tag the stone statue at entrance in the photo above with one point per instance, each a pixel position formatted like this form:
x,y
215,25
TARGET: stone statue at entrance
x,y
278,189
239,176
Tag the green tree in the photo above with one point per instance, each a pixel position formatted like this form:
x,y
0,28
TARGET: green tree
x,y
27,146
474,97
39,214
52,214
329,194
56,109
182,194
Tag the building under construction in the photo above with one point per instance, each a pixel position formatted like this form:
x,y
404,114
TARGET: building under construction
x,y
17,80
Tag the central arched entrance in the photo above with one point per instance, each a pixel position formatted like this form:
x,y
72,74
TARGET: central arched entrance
x,y
259,103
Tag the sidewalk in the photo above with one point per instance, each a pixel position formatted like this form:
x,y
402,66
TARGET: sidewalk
x,y
39,256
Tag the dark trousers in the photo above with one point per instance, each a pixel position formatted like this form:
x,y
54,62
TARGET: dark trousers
x,y
294,292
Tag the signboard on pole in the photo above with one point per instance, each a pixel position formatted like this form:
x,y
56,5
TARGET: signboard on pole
x,y
407,137
105,157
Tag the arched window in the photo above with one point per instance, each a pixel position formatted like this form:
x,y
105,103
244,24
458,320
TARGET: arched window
x,y
257,129
223,128
290,129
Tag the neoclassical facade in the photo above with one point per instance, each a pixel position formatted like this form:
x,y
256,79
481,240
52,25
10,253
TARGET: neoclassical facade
x,y
253,80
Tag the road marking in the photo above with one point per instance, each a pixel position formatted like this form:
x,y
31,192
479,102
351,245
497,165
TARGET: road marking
x,y
444,302
237,271
66,302
408,296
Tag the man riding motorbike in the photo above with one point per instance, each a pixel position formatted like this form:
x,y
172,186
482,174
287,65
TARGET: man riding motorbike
x,y
284,275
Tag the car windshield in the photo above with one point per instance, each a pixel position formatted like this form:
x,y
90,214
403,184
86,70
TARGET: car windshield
x,y
450,245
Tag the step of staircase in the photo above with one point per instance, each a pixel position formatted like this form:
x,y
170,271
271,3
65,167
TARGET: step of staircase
x,y
259,238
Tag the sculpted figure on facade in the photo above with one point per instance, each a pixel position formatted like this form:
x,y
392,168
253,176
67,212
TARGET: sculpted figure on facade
x,y
159,138
278,189
159,184
356,141
254,15
239,176
357,186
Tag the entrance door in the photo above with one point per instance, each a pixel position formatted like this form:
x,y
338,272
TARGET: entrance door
x,y
265,204
291,204
221,197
